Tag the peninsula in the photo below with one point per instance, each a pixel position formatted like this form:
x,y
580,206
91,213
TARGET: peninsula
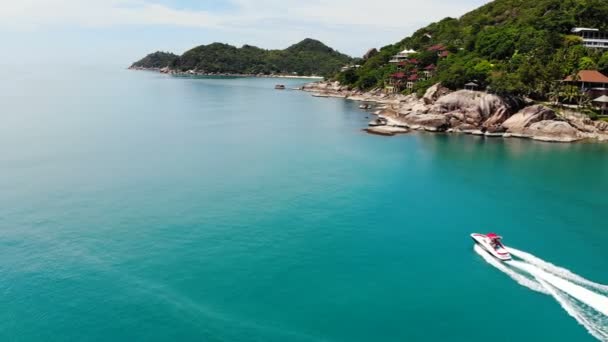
x,y
306,58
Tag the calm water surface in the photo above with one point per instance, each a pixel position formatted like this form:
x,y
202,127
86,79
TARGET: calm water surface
x,y
140,207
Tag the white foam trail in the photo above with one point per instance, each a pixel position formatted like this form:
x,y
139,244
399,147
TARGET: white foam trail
x,y
574,293
520,278
590,298
559,271
594,329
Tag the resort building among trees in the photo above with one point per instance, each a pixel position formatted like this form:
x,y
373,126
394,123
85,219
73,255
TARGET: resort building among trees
x,y
429,71
411,81
395,83
402,56
592,38
591,82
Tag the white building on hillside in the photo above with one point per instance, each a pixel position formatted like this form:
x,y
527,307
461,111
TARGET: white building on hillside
x,y
592,38
402,56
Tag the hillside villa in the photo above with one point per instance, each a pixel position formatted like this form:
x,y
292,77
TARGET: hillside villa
x,y
402,56
592,38
408,73
350,67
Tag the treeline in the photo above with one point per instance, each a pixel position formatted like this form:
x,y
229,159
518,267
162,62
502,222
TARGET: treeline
x,y
309,57
509,46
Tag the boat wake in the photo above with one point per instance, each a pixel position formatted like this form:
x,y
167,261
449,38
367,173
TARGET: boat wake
x,y
584,300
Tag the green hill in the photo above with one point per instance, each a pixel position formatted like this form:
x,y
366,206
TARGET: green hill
x,y
512,46
156,60
309,57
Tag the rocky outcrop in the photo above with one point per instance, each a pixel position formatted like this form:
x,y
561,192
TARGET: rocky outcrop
x,y
472,107
472,112
377,122
554,131
434,93
528,116
427,122
601,125
386,130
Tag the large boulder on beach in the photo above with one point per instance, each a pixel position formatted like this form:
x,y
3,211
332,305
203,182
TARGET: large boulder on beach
x,y
494,122
554,131
601,125
387,112
472,107
434,93
413,105
528,116
386,130
583,123
427,122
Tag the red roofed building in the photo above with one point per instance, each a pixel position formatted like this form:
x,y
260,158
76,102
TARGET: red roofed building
x,y
590,81
438,48
413,61
444,54
588,76
429,71
403,66
395,83
411,81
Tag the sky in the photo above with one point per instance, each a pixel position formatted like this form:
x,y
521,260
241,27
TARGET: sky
x,y
122,31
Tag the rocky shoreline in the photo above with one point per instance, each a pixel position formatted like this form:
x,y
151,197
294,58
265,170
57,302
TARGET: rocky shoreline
x,y
468,112
174,72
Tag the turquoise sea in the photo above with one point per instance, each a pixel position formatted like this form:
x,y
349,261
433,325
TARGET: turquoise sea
x,y
140,207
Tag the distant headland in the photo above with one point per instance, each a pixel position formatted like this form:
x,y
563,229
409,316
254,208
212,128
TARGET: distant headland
x,y
305,59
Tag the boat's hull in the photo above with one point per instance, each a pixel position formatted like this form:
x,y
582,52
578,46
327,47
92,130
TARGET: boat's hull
x,y
485,243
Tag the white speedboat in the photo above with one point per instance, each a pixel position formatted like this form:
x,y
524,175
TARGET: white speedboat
x,y
493,245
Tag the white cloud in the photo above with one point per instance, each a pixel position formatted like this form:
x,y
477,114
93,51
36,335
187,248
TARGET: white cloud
x,y
32,14
351,26
36,14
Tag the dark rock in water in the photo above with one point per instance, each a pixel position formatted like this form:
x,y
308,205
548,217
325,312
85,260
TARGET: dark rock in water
x,y
378,122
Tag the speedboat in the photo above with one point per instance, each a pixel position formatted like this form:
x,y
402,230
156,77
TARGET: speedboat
x,y
492,244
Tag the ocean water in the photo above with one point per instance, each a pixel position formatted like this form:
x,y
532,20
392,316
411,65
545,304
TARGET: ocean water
x,y
140,207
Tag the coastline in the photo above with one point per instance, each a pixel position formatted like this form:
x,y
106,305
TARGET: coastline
x,y
191,73
467,112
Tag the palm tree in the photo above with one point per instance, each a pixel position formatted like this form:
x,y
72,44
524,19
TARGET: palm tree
x,y
584,101
554,93
570,94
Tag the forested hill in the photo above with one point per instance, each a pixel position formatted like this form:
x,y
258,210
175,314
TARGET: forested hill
x,y
309,57
156,60
512,46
